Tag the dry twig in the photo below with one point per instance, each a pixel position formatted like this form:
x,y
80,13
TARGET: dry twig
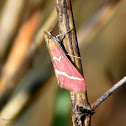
x,y
108,93
66,25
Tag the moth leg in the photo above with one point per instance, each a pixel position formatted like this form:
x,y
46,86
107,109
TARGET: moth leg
x,y
64,33
74,56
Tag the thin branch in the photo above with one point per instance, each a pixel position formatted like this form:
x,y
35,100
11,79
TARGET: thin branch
x,y
108,93
66,24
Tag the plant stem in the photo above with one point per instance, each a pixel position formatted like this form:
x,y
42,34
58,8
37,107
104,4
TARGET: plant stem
x,y
80,104
108,93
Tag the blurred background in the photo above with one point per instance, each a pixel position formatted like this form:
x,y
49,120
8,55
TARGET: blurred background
x,y
29,92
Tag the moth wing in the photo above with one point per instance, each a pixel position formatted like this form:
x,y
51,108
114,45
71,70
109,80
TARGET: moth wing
x,y
67,75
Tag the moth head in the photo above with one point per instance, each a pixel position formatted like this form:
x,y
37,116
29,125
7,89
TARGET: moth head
x,y
47,35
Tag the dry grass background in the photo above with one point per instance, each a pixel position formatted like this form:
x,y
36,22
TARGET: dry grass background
x,y
104,64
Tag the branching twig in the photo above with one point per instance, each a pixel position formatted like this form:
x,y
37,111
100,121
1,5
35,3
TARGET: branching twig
x,y
108,93
80,103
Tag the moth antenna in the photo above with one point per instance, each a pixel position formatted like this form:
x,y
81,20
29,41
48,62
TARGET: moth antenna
x,y
53,26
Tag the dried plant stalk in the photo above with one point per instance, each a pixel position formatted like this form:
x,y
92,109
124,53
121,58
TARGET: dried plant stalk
x,y
89,30
18,51
16,56
30,55
7,30
80,105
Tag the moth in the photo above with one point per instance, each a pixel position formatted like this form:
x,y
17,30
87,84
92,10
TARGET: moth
x,y
67,75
